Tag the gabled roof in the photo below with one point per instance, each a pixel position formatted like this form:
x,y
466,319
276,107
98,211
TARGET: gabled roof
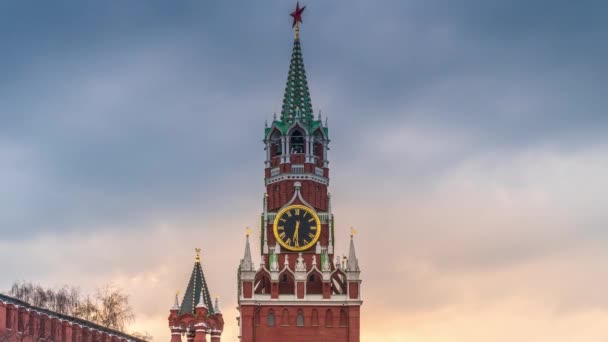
x,y
71,319
196,285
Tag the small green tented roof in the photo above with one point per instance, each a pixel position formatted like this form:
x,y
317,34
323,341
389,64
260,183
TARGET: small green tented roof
x,y
297,105
192,295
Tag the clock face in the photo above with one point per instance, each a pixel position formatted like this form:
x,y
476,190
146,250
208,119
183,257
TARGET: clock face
x,y
297,227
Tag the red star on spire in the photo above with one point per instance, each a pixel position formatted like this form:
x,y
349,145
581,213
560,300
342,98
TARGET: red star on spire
x,y
297,14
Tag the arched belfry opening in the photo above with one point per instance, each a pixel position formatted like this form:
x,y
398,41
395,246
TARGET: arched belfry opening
x,y
296,142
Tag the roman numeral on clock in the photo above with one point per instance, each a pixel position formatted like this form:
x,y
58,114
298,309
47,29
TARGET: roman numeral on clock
x,y
313,227
282,235
297,212
312,219
311,235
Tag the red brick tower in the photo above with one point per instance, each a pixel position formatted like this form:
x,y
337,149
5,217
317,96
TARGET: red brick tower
x,y
298,293
196,317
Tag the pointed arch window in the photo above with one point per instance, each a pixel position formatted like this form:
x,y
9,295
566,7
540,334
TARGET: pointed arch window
x,y
257,318
271,318
315,318
285,317
329,319
300,319
343,318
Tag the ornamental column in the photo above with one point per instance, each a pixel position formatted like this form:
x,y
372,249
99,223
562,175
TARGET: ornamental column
x,y
216,336
2,316
66,331
200,326
176,333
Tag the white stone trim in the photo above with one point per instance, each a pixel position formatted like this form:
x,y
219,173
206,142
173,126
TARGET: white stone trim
x,y
289,176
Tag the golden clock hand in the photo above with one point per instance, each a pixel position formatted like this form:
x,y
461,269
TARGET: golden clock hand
x,y
296,232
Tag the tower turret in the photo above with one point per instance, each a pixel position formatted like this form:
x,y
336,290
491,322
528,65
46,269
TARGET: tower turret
x,y
298,293
195,317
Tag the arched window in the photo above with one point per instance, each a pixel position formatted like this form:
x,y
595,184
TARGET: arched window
x,y
315,318
329,319
256,318
297,142
285,317
300,319
284,279
343,318
276,145
271,318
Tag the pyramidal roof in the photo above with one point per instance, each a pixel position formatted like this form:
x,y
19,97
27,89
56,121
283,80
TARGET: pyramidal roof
x,y
296,101
196,286
297,104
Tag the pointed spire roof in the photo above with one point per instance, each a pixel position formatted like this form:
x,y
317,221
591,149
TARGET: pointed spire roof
x,y
296,101
352,264
247,262
197,289
297,104
176,304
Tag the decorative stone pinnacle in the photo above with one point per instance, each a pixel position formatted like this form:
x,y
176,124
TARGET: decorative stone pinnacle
x,y
176,304
217,305
201,301
300,265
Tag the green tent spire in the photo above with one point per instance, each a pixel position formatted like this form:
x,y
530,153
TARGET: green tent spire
x,y
296,102
196,286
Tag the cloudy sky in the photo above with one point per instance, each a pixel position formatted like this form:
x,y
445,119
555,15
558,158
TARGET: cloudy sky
x,y
469,148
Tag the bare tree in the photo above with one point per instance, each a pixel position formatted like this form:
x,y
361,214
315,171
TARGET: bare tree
x,y
114,311
109,307
64,300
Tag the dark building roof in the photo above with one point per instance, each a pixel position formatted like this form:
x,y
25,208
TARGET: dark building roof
x,y
71,319
192,295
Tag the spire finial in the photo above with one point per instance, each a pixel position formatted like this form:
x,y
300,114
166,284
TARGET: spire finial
x,y
217,305
198,255
176,303
353,232
297,19
352,263
247,231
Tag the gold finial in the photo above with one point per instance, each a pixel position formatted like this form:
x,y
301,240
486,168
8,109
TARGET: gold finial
x,y
247,231
353,231
198,254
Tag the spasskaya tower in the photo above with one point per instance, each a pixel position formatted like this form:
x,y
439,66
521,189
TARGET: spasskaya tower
x,y
301,291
